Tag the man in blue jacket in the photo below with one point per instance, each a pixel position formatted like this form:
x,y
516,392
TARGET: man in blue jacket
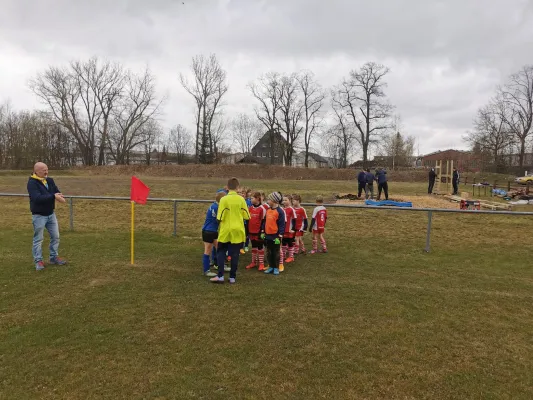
x,y
383,186
361,180
43,195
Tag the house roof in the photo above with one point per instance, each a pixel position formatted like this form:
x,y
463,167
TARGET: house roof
x,y
317,157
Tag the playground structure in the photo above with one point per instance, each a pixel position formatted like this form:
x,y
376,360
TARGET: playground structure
x,y
444,175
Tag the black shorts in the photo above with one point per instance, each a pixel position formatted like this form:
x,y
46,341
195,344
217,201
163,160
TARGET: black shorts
x,y
209,237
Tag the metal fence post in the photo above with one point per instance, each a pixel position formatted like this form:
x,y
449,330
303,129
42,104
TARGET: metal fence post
x,y
175,218
71,212
428,235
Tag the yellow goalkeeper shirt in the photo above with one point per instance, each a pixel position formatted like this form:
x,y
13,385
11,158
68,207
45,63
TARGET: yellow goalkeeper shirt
x,y
232,212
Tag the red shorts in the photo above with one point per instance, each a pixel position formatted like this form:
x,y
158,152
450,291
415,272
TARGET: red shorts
x,y
289,235
255,236
318,231
300,233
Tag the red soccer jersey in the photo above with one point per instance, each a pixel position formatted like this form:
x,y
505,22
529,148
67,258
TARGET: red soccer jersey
x,y
290,217
320,215
301,216
257,215
266,207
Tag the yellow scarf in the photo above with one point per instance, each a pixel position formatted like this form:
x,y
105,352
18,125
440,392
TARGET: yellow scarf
x,y
43,180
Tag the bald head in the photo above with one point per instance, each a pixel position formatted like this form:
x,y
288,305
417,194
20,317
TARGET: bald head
x,y
41,170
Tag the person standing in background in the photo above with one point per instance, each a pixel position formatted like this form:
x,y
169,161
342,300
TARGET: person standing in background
x,y
43,196
361,180
455,181
369,188
381,177
432,177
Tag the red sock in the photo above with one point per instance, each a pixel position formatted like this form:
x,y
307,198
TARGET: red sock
x,y
323,242
291,251
315,243
261,256
283,254
302,246
254,255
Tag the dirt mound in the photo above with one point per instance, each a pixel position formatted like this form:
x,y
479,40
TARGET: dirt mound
x,y
246,172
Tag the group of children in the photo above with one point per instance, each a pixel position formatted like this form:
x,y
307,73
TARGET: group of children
x,y
274,227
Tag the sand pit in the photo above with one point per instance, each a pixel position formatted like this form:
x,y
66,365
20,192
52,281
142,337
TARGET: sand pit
x,y
418,201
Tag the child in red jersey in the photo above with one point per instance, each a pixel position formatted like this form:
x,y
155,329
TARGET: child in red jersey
x,y
301,224
287,250
255,226
318,225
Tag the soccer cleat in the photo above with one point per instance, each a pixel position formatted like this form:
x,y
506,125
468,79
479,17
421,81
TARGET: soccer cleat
x,y
57,261
281,268
210,274
242,251
217,279
261,267
324,250
276,271
313,252
227,269
250,266
246,249
232,280
39,266
269,271
289,260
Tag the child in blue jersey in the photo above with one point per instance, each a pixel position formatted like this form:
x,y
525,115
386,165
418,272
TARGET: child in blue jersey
x,y
210,233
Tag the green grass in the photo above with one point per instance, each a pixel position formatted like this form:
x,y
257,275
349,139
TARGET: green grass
x,y
375,318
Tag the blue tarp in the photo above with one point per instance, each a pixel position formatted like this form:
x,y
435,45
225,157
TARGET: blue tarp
x,y
389,203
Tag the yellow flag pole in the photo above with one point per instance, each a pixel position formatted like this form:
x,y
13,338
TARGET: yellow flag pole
x,y
132,231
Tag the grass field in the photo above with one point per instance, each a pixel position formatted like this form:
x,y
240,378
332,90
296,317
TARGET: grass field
x,y
376,318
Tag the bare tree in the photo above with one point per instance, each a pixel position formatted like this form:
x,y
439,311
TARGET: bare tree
x,y
491,132
136,108
518,96
105,82
313,100
291,109
207,88
181,142
362,97
341,136
245,132
151,131
267,91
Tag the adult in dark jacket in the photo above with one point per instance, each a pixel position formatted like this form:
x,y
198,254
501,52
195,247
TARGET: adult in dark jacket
x,y
369,188
43,195
361,180
455,181
381,177
432,177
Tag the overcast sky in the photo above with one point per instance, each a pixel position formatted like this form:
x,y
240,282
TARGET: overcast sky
x,y
446,57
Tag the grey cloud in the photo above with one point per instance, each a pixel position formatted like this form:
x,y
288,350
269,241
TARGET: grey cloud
x,y
445,56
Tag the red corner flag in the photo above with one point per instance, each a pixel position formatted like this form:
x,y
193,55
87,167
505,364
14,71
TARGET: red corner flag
x,y
139,191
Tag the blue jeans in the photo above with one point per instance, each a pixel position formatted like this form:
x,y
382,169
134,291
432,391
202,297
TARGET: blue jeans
x,y
41,222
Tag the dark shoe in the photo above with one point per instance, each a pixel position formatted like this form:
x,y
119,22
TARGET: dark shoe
x,y
57,261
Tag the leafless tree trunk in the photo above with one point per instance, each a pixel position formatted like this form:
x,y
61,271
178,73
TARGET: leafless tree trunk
x,y
363,99
267,91
313,100
245,133
518,96
207,88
